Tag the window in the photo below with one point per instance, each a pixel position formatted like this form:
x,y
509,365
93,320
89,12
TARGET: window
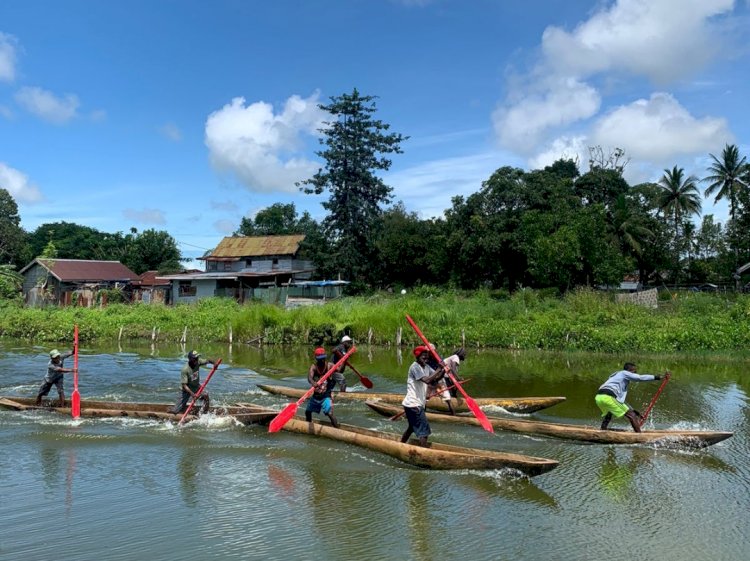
x,y
227,266
248,262
275,263
187,288
211,266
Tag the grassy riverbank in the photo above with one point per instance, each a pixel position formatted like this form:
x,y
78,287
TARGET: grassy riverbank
x,y
581,320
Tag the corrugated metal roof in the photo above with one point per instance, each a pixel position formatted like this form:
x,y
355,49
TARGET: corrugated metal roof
x,y
78,270
256,246
149,279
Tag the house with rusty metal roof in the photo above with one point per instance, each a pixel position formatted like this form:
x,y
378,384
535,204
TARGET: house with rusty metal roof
x,y
243,268
71,281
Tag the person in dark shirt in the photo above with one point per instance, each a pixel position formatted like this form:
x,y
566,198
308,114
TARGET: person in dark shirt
x,y
337,354
54,376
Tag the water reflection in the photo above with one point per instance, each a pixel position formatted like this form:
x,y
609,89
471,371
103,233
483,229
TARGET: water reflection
x,y
616,476
520,489
192,462
418,518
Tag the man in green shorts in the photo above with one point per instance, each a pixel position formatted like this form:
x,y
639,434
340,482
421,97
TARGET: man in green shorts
x,y
610,397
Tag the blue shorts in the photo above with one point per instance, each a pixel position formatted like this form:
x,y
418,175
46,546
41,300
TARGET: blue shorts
x,y
418,421
316,405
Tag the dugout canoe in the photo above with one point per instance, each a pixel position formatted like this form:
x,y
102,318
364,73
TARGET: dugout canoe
x,y
433,456
157,411
667,438
510,404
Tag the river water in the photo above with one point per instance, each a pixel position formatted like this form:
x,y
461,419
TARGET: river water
x,y
121,489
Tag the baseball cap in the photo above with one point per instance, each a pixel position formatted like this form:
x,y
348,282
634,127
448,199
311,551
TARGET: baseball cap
x,y
54,353
320,352
419,350
193,354
345,339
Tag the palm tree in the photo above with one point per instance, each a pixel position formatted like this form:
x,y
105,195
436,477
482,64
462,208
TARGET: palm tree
x,y
678,197
727,176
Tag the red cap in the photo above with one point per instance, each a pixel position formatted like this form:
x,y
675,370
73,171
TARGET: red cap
x,y
419,350
320,352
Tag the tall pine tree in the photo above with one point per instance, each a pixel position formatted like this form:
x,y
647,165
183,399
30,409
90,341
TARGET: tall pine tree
x,y
356,145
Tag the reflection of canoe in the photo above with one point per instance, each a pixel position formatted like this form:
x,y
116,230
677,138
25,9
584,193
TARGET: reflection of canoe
x,y
91,408
512,404
687,438
434,455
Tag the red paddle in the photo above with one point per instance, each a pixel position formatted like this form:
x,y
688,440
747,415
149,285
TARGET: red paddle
x,y
75,399
200,391
366,382
472,405
667,375
288,412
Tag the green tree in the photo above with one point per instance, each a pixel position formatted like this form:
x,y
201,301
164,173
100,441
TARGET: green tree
x,y
12,236
276,220
356,145
679,198
10,283
151,250
74,241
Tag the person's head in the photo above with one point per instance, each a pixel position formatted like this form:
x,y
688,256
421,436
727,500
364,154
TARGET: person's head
x,y
193,356
421,353
320,354
54,355
629,366
347,341
460,353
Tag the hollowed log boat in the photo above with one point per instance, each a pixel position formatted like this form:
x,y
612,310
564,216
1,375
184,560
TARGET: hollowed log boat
x,y
160,411
433,456
511,404
677,438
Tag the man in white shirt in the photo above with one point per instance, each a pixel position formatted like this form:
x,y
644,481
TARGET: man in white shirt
x,y
419,378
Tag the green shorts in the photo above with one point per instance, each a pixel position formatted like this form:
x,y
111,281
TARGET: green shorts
x,y
609,404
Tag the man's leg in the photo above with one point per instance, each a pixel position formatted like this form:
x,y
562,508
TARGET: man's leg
x,y
334,421
635,420
205,398
605,421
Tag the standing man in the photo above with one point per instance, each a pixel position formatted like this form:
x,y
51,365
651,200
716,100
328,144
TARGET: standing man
x,y
418,380
451,364
54,376
190,383
320,400
610,398
338,352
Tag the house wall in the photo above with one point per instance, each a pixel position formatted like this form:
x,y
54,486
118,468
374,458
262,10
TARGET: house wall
x,y
259,264
204,288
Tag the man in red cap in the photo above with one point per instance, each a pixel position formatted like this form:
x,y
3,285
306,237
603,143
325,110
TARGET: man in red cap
x,y
417,383
320,400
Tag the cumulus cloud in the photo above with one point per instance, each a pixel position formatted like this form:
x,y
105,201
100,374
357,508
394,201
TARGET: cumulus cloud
x,y
227,206
225,226
18,185
521,126
566,147
654,38
650,38
258,146
659,129
171,131
7,57
47,106
145,216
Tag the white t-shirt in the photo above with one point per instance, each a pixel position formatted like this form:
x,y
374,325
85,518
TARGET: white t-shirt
x,y
416,390
452,363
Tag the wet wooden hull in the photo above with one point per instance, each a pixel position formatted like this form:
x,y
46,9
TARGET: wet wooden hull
x,y
159,411
511,404
434,456
690,439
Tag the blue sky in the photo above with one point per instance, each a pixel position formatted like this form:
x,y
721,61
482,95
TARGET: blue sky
x,y
187,115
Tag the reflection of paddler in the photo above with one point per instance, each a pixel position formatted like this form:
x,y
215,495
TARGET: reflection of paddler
x,y
615,478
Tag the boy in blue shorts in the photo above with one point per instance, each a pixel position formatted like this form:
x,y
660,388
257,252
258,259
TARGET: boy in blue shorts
x,y
321,397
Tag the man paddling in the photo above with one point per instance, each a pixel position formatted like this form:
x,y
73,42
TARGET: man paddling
x,y
450,363
190,383
320,400
418,380
54,376
610,398
338,352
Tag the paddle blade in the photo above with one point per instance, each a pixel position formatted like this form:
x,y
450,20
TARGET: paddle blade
x,y
75,404
366,382
282,418
479,414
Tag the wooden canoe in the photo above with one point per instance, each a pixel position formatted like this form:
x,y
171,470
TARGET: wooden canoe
x,y
677,438
160,411
433,456
511,404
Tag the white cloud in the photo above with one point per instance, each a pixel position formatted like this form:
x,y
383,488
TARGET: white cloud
x,y
660,39
566,147
47,106
98,115
6,112
171,131
18,185
259,147
145,216
659,129
7,57
227,206
521,126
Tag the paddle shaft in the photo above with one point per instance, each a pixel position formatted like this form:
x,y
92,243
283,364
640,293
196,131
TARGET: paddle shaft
x,y
366,382
653,399
288,412
75,398
473,407
200,390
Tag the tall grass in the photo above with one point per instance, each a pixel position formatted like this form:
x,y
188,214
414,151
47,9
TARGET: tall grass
x,y
581,320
